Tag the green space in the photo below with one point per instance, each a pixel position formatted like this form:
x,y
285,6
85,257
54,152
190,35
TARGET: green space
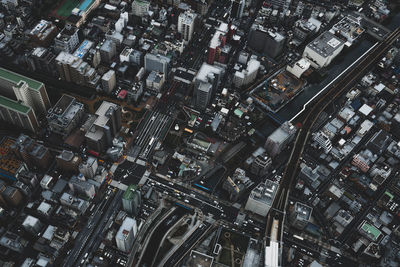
x,y
66,8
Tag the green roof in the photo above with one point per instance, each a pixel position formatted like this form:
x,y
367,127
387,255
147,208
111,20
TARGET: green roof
x,y
389,195
371,230
16,78
130,192
14,105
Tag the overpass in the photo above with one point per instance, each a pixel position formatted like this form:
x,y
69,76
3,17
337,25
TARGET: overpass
x,y
273,239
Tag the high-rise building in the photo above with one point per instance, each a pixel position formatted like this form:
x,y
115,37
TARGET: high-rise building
x,y
262,197
32,225
264,40
155,81
237,8
278,140
261,164
31,92
248,75
281,4
323,140
32,153
186,24
67,39
105,127
131,200
157,63
89,167
140,8
206,81
108,51
79,185
109,81
126,235
18,114
43,60
301,215
68,161
65,116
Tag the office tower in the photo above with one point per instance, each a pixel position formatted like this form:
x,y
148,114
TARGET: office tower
x,y
126,235
105,127
248,75
43,60
79,185
32,153
67,39
18,114
140,8
281,4
108,51
301,215
264,40
65,116
109,81
68,161
89,167
157,63
131,200
186,24
237,8
261,164
278,140
206,81
262,197
203,95
32,225
155,81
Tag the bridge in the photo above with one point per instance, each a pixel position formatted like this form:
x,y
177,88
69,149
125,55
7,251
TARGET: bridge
x,y
273,239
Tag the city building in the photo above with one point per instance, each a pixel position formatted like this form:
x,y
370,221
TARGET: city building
x,y
126,235
155,81
299,67
157,63
218,48
304,29
262,197
301,215
140,8
360,162
12,196
135,92
186,24
237,8
30,92
32,153
369,231
131,200
261,164
281,4
109,81
108,51
43,60
68,161
13,242
67,39
349,27
323,140
265,40
74,203
237,184
248,75
206,81
79,185
279,139
65,116
323,50
74,69
105,127
83,49
89,167
18,114
32,225
43,33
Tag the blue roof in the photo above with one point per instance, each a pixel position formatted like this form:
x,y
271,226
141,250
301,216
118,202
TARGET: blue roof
x,y
356,104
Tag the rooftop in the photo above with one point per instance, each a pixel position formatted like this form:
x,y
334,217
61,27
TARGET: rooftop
x,y
130,192
265,192
14,105
326,44
16,78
